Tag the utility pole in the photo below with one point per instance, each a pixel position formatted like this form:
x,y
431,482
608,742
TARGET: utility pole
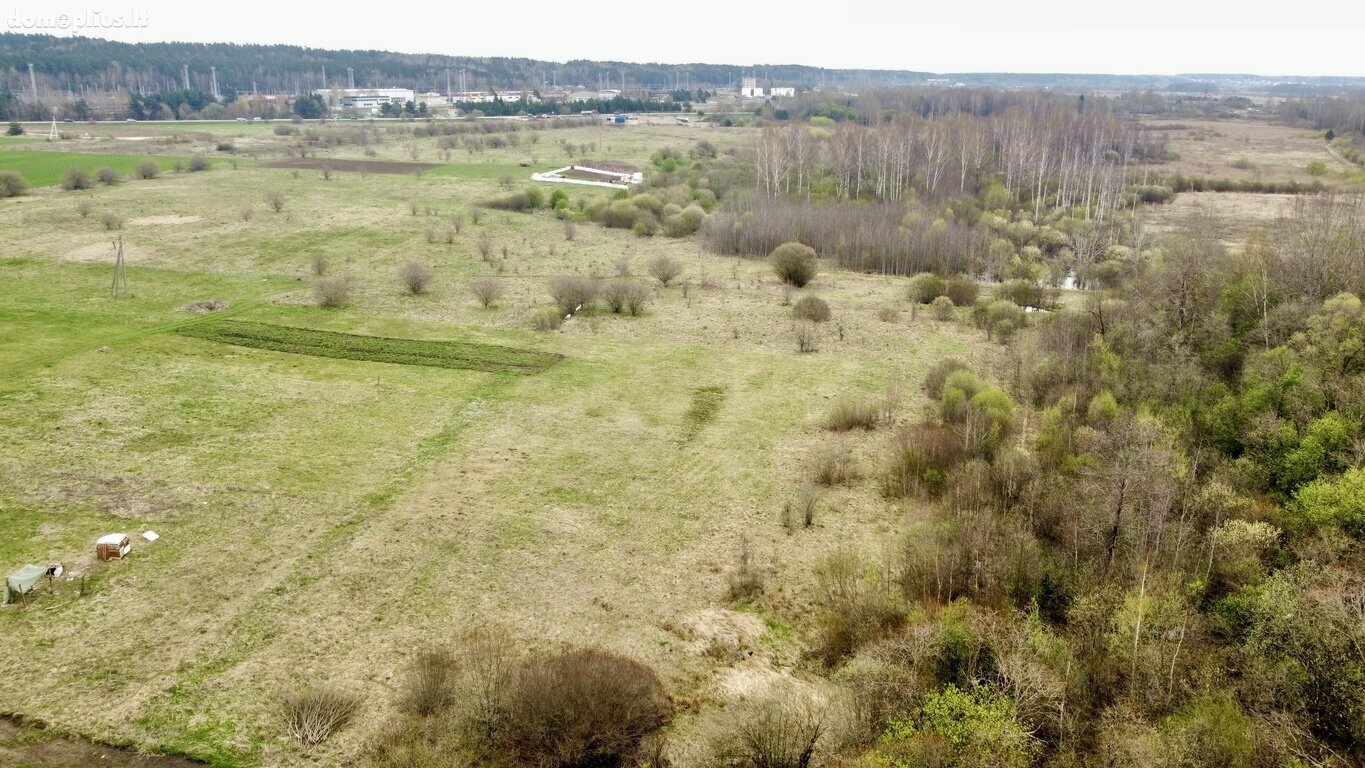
x,y
350,78
447,85
120,286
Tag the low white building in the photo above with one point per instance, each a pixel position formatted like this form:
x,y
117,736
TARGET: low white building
x,y
367,99
779,91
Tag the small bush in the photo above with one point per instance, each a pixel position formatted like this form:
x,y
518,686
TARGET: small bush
x,y
925,287
833,465
76,178
938,374
15,129
517,201
198,162
746,581
487,290
275,199
889,315
535,196
962,290
851,413
580,709
319,265
12,184
807,337
665,269
625,295
415,277
84,207
1317,168
795,263
148,169
1003,319
943,308
547,319
314,714
332,291
428,686
812,308
772,734
573,294
107,176
921,459
112,221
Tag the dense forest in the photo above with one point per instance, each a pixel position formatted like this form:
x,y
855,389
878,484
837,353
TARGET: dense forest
x,y
73,64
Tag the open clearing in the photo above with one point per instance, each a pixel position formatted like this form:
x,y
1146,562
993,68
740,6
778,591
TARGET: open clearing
x,y
44,168
322,517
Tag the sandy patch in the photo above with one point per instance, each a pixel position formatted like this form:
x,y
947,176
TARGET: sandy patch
x,y
103,252
174,218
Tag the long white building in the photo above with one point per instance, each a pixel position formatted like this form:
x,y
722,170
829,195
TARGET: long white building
x,y
370,99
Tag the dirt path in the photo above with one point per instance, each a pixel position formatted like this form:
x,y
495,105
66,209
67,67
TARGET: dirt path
x,y
28,745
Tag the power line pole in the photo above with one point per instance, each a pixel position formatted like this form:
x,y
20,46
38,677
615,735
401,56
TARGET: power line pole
x,y
120,286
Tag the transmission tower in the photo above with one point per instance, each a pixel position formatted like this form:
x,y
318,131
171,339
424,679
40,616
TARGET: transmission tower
x,y
120,286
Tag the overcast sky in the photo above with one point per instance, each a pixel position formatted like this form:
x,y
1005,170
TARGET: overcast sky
x,y
1325,37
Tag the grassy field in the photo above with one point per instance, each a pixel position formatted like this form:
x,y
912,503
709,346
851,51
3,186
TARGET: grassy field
x,y
322,516
45,168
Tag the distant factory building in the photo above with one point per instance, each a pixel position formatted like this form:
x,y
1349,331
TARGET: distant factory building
x,y
370,99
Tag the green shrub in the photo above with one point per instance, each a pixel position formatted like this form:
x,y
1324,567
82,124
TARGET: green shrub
x,y
851,412
961,728
1339,502
620,214
15,129
516,201
547,319
962,290
925,287
1003,319
795,263
938,375
943,308
535,196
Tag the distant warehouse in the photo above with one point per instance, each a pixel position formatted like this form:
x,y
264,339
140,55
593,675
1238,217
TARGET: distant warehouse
x,y
368,99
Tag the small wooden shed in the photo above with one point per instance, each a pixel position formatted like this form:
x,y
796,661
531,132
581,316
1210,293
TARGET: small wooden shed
x,y
112,546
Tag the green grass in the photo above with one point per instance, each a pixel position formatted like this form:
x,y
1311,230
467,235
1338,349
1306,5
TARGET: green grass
x,y
378,349
43,169
705,405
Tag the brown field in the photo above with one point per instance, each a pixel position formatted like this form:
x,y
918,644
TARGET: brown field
x,y
1243,150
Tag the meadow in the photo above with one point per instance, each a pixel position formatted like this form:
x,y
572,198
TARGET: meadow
x,y
322,516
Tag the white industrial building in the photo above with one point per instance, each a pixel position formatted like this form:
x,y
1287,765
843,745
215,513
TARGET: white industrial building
x,y
750,89
369,99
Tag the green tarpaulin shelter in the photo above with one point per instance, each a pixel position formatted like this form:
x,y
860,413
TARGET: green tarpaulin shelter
x,y
23,580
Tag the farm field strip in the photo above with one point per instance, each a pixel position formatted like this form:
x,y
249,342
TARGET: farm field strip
x,y
379,349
